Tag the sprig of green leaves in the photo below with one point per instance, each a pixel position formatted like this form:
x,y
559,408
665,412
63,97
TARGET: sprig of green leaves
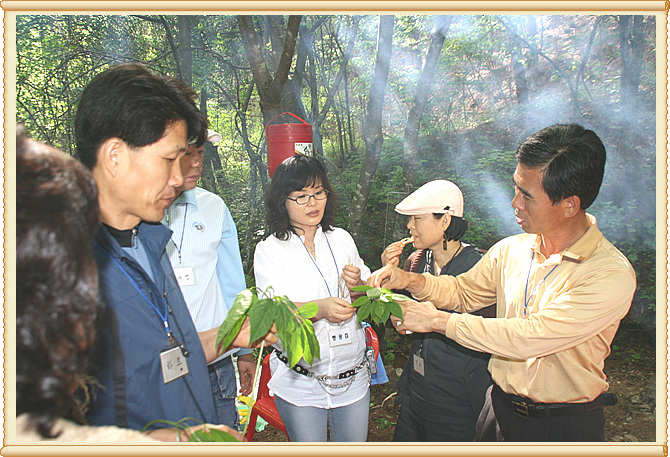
x,y
294,327
199,435
378,304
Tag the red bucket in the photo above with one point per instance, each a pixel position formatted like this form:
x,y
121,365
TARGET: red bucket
x,y
286,140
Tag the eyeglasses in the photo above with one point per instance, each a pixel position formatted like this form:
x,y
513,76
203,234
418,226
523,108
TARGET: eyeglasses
x,y
304,198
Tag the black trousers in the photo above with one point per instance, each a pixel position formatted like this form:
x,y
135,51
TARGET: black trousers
x,y
444,404
497,422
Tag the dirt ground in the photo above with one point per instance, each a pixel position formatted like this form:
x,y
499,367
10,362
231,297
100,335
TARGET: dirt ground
x,y
631,371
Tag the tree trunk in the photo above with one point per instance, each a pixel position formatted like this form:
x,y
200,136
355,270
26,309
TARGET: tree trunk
x,y
520,82
372,131
249,245
269,87
185,50
631,34
211,159
411,138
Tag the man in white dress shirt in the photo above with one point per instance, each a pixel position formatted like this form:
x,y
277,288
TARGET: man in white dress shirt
x,y
205,256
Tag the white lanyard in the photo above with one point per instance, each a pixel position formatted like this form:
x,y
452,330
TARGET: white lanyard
x,y
526,298
319,269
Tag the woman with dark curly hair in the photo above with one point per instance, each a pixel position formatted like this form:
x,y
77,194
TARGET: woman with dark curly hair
x,y
307,259
56,300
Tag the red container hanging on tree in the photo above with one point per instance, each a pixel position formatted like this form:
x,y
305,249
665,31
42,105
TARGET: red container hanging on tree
x,y
286,140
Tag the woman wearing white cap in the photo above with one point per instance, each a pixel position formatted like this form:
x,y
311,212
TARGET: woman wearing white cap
x,y
443,385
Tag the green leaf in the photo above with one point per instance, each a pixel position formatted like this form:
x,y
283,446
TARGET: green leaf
x,y
306,348
364,311
377,312
373,293
361,288
288,303
233,322
363,299
295,347
395,309
211,435
313,342
261,317
385,315
308,310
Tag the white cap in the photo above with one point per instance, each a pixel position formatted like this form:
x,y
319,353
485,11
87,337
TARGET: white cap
x,y
213,136
440,196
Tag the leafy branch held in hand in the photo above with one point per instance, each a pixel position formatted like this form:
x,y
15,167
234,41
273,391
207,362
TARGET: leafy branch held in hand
x,y
378,304
263,308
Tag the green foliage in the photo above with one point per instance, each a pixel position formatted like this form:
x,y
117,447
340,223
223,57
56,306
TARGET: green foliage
x,y
378,304
204,434
294,327
384,422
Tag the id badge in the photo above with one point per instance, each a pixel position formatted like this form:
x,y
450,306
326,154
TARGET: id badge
x,y
370,356
173,364
185,275
340,336
418,364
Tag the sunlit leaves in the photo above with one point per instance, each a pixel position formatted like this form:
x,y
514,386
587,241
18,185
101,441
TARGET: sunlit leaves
x,y
294,326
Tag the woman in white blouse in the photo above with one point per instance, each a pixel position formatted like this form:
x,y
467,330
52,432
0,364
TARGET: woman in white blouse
x,y
309,260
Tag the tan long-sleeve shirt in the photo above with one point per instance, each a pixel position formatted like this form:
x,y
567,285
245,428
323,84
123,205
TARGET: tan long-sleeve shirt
x,y
574,302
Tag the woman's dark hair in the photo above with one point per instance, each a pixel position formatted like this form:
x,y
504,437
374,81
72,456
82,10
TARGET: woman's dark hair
x,y
56,301
573,160
129,102
456,229
293,174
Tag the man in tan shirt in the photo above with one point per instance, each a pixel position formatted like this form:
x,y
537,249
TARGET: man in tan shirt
x,y
561,290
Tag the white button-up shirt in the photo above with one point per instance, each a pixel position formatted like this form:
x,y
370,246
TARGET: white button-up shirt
x,y
289,269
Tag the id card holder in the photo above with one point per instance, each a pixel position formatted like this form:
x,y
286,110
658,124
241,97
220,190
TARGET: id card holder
x,y
173,364
370,356
185,275
340,336
418,364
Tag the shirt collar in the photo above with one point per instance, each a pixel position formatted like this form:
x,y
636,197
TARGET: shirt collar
x,y
581,249
188,196
317,236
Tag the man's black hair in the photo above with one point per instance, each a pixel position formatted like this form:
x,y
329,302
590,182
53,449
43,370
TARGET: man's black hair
x,y
129,102
572,159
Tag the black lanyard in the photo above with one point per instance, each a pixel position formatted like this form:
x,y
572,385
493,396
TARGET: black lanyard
x,y
183,229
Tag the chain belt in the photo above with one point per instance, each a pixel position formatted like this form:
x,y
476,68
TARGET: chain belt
x,y
323,380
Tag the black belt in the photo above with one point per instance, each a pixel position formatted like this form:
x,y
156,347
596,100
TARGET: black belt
x,y
305,372
526,408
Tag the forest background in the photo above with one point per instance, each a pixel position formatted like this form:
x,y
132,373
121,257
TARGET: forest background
x,y
394,101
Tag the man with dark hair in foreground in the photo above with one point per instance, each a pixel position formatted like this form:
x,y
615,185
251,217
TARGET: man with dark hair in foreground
x,y
132,128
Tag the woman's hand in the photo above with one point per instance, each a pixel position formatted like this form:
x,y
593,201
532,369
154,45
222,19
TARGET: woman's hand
x,y
352,276
391,255
334,310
